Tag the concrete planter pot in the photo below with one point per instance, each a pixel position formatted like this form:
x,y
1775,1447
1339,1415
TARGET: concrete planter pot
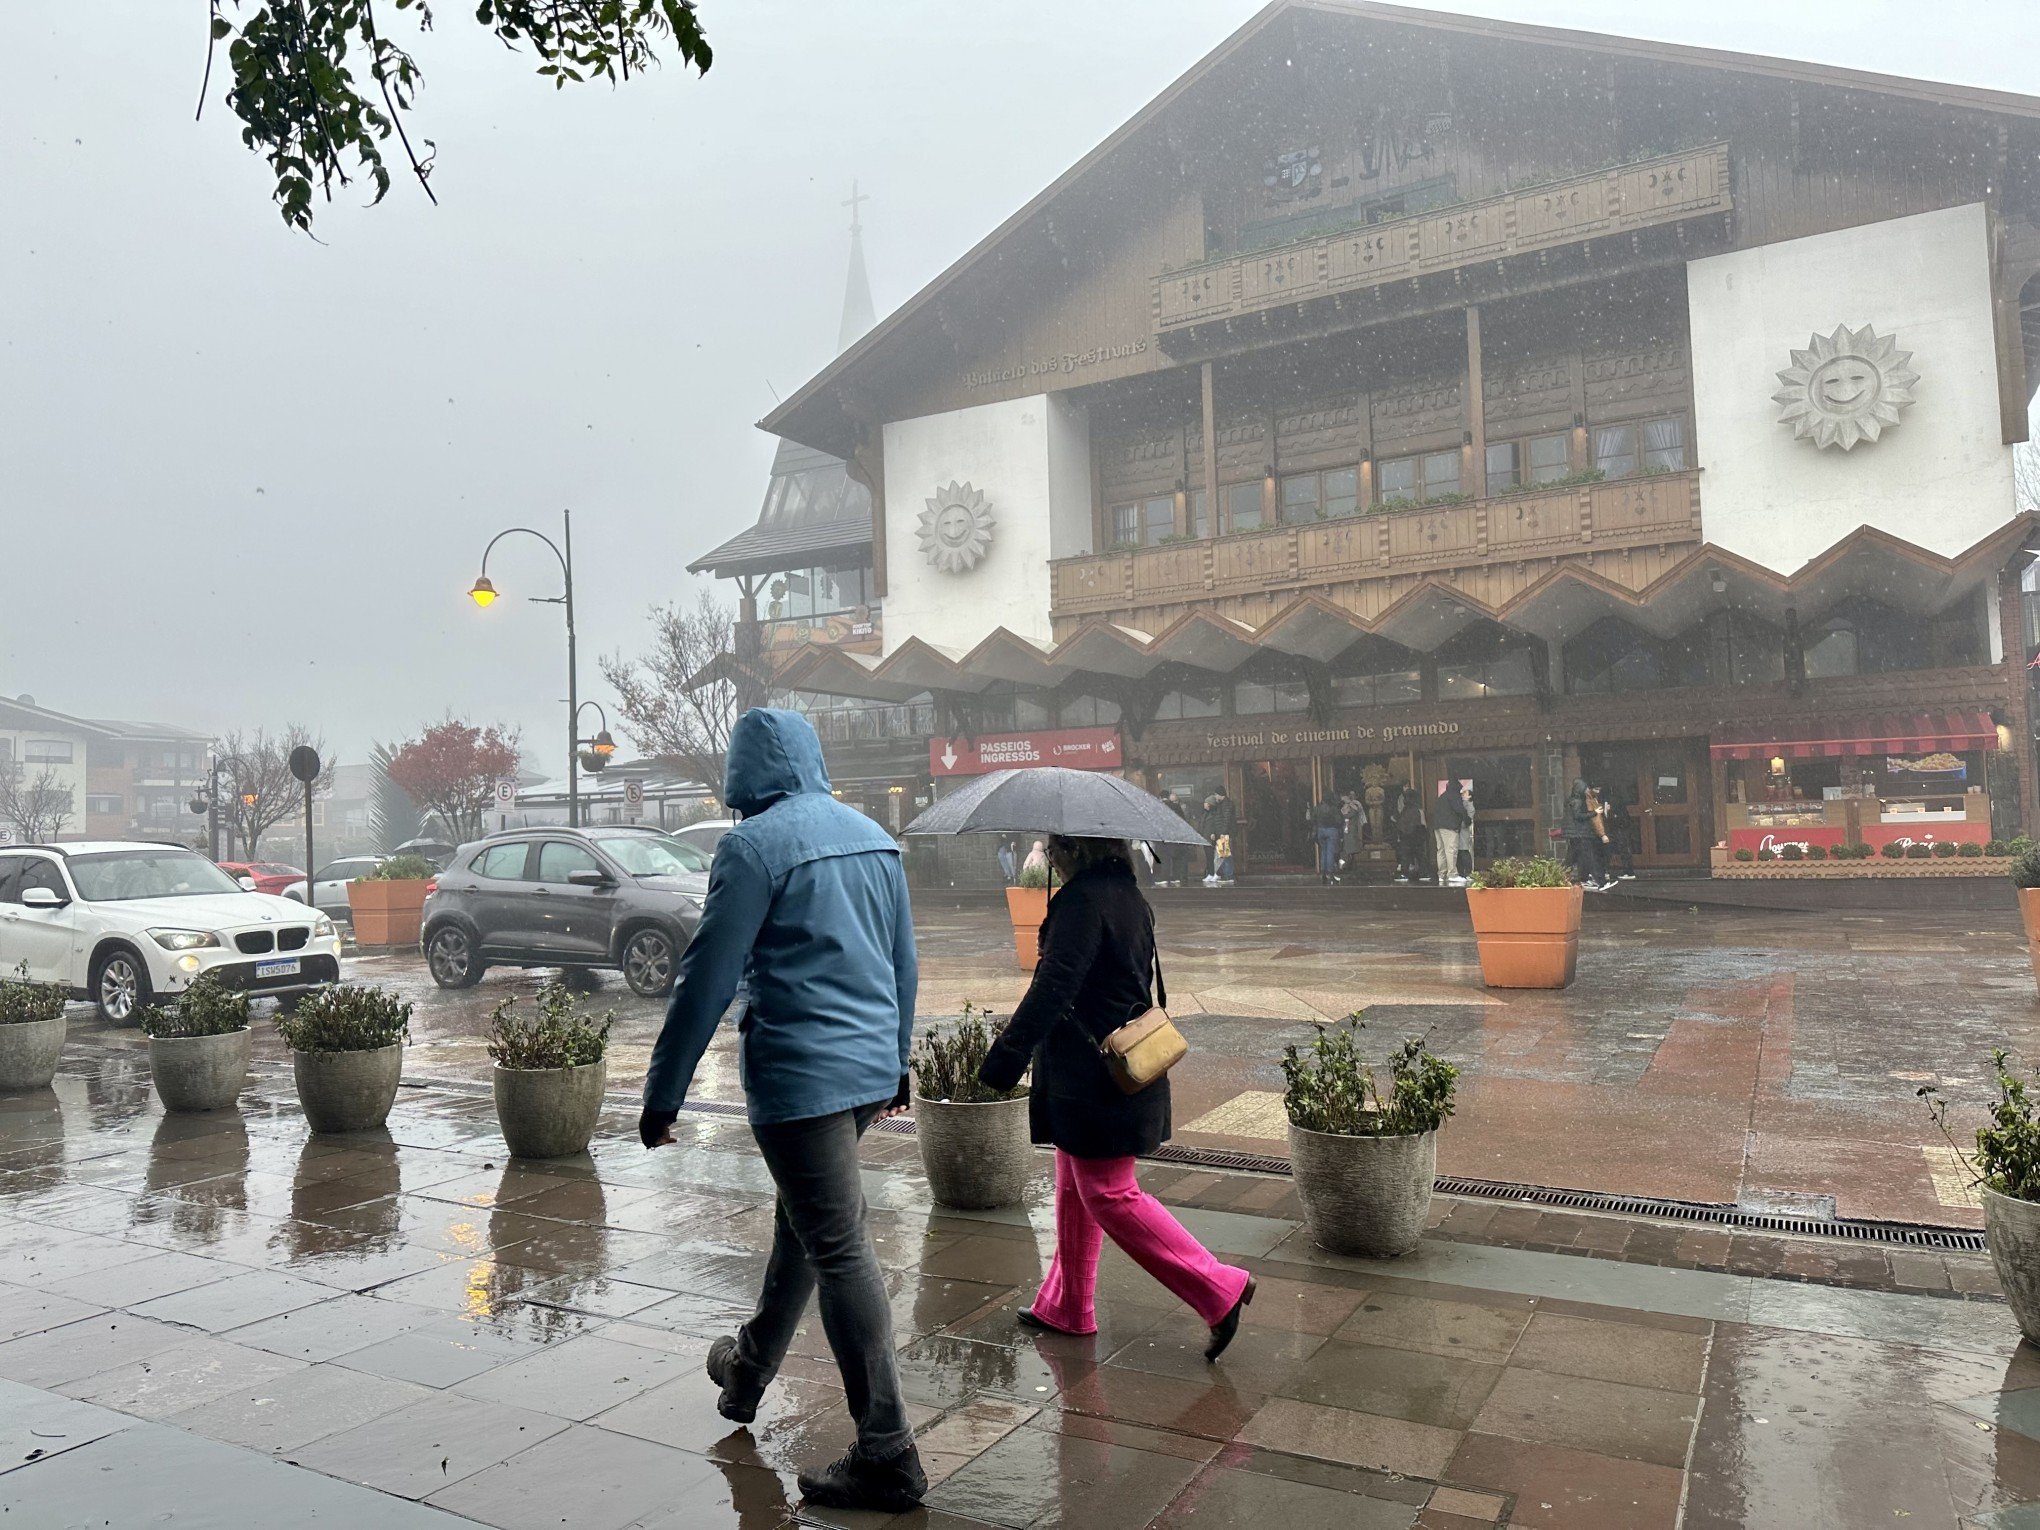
x,y
1529,937
1027,907
977,1155
549,1112
29,1053
1366,1196
194,1073
348,1091
386,913
2011,1229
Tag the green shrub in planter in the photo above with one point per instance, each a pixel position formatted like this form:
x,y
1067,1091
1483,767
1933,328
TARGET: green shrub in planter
x,y
2006,1164
2018,844
346,1018
560,1035
1791,853
1816,852
31,1033
347,1055
550,1072
1035,877
1995,847
1944,848
1746,855
2025,867
1919,852
207,1008
1767,855
1330,1089
403,868
1893,851
1522,871
1970,851
25,1003
946,1062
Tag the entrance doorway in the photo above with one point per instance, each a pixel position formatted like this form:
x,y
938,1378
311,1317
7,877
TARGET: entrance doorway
x,y
1659,787
1276,823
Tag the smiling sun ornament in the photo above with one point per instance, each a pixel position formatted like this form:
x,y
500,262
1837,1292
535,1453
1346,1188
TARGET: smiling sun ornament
x,y
1845,387
956,528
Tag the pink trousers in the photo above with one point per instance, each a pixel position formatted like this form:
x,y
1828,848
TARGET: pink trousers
x,y
1095,1197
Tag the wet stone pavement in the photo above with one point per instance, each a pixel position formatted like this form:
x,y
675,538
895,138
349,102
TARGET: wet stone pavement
x,y
1722,1055
224,1321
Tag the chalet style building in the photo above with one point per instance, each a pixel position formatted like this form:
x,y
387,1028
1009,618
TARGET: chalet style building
x,y
1404,397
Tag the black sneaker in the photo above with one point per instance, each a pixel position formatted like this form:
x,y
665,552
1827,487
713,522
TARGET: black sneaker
x,y
892,1487
737,1404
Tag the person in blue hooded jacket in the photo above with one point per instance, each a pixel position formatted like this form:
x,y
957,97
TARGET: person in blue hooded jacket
x,y
807,905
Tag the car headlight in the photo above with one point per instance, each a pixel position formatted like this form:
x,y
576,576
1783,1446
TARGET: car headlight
x,y
184,940
322,927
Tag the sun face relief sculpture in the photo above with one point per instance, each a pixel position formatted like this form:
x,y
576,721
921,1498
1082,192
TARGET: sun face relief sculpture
x,y
956,528
1845,387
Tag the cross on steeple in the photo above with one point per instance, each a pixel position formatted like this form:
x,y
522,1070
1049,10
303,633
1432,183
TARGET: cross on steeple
x,y
856,226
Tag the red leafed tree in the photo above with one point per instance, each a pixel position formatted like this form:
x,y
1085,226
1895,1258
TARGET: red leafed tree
x,y
452,769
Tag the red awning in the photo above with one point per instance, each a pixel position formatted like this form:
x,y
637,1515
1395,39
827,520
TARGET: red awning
x,y
1893,733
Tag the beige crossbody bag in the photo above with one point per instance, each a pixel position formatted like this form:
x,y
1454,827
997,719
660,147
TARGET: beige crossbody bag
x,y
1147,1046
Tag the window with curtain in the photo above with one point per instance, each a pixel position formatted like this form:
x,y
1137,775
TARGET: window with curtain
x,y
1615,449
1417,478
1664,445
1125,524
1639,446
1331,495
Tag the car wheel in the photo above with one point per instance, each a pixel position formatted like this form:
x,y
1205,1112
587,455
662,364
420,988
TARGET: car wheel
x,y
120,987
648,963
451,954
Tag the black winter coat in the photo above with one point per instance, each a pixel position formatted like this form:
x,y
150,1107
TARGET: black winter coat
x,y
1097,954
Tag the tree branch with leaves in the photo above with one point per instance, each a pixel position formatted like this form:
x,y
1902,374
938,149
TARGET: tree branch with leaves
x,y
452,769
320,124
679,700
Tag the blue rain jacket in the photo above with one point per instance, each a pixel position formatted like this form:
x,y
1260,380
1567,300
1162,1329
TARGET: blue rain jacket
x,y
807,902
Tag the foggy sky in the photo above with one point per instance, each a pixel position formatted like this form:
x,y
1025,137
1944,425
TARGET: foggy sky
x,y
246,478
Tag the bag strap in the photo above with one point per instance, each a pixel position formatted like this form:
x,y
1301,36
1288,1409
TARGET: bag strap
x,y
1161,988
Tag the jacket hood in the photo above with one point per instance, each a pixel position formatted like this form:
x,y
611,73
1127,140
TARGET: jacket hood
x,y
773,754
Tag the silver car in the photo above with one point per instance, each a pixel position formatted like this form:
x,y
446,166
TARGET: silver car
x,y
615,897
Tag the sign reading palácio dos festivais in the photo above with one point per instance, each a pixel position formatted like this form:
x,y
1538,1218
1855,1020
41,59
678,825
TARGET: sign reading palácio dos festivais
x,y
1063,364
1400,735
1077,748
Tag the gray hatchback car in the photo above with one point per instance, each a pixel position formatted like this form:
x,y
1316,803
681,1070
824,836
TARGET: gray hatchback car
x,y
611,897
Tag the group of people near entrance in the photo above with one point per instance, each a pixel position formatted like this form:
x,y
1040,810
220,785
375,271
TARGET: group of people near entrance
x,y
1435,844
1598,831
807,908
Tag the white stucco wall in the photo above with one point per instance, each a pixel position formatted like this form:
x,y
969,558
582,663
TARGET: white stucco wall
x,y
1940,478
1031,458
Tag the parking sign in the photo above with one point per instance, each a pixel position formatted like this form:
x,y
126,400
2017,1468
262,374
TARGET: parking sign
x,y
506,794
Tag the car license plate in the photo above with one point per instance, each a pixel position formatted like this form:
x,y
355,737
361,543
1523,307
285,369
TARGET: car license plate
x,y
285,968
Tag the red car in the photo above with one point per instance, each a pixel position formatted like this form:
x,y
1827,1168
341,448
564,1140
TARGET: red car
x,y
268,876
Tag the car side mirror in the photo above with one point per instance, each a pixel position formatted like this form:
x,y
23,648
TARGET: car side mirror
x,y
42,897
247,884
590,879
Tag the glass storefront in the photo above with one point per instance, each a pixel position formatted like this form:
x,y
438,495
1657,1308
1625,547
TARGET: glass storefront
x,y
1275,816
1504,800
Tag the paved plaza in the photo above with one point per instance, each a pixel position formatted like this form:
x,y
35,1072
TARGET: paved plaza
x,y
1707,1053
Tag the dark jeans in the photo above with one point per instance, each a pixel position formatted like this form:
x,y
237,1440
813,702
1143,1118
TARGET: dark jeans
x,y
819,1239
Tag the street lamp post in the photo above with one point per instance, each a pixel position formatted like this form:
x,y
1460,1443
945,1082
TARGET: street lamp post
x,y
207,801
483,594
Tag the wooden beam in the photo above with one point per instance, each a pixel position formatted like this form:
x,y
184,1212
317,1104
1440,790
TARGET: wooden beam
x,y
1476,404
1211,522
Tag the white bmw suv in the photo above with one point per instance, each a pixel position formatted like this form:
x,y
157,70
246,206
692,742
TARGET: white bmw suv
x,y
124,924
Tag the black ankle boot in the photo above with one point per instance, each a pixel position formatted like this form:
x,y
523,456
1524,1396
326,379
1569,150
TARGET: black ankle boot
x,y
739,1400
891,1487
1227,1328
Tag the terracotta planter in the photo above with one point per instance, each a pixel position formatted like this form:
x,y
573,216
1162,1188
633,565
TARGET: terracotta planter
x,y
1529,937
1365,1196
2029,910
386,913
1027,907
29,1053
978,1156
2011,1230
549,1112
348,1091
195,1073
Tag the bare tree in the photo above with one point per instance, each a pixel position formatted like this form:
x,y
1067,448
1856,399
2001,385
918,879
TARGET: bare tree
x,y
265,793
679,700
38,807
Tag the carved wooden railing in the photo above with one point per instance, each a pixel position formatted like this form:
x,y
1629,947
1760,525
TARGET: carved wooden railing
x,y
1618,200
1654,509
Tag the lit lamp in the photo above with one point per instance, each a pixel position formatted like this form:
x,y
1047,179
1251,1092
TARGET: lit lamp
x,y
2004,736
483,593
1777,764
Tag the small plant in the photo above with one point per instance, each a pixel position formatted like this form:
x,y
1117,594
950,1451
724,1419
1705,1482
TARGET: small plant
x,y
1394,502
207,1008
1767,854
2007,1156
1893,851
346,1018
946,1063
1944,848
1919,852
1995,847
1791,853
22,1002
1970,851
403,868
2018,844
560,1035
1746,855
2025,867
1035,876
1329,1089
1816,852
1522,871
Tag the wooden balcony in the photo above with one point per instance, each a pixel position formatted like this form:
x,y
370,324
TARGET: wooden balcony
x,y
1622,199
1655,510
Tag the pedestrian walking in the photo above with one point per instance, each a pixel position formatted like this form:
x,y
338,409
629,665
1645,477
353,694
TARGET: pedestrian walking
x,y
808,897
1352,825
1009,857
1586,834
1463,862
1097,953
1221,822
1327,823
1623,834
1037,860
1449,815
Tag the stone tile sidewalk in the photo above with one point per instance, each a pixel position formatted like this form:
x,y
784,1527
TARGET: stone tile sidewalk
x,y
405,1328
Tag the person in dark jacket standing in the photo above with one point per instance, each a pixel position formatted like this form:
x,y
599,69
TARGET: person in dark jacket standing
x,y
1449,816
1221,822
1097,951
1408,821
807,903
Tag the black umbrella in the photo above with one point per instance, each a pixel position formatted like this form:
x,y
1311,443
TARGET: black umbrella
x,y
1083,804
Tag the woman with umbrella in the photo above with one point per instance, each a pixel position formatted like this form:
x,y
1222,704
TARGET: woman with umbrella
x,y
1097,954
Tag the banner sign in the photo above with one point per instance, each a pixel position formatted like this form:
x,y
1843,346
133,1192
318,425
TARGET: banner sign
x,y
1875,835
1077,748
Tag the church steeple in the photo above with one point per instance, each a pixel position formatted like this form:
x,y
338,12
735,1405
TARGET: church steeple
x,y
858,313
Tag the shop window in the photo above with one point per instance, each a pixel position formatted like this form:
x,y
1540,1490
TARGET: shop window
x,y
1646,446
1378,690
1414,480
1189,701
1533,460
1253,698
799,593
1242,502
1143,523
1332,495
1089,712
